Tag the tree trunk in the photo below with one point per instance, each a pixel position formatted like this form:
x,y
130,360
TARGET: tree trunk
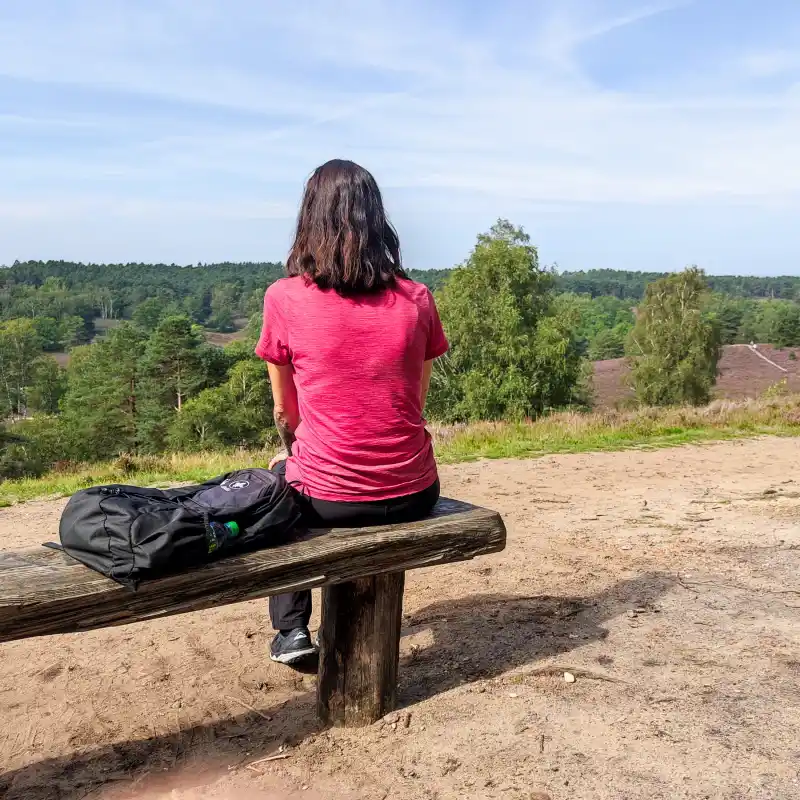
x,y
360,648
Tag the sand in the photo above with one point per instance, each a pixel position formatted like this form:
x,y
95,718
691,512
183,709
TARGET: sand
x,y
667,582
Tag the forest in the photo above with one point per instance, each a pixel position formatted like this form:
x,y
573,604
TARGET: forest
x,y
98,360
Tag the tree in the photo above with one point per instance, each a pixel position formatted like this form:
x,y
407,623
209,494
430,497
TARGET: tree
x,y
674,348
609,343
198,305
48,385
510,357
224,302
20,346
148,313
602,323
171,372
785,325
101,404
730,313
59,334
18,458
237,413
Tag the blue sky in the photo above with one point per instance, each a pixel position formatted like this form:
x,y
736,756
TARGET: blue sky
x,y
636,135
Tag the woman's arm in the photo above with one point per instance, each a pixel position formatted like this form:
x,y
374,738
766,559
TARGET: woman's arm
x,y
284,395
427,369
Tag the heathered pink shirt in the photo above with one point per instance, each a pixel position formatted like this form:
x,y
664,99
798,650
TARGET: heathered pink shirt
x,y
357,368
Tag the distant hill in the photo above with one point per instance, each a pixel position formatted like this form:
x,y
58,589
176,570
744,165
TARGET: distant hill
x,y
742,373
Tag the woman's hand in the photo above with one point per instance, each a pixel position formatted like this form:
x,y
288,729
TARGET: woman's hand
x,y
277,458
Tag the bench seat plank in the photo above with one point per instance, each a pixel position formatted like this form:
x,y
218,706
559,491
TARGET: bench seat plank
x,y
44,592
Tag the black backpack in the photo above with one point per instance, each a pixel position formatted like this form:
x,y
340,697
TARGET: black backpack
x,y
130,534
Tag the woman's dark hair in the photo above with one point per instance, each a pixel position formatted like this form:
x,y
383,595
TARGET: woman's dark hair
x,y
344,240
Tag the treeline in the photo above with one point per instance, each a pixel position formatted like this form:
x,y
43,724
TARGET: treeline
x,y
604,322
69,301
522,337
212,295
132,391
633,285
518,346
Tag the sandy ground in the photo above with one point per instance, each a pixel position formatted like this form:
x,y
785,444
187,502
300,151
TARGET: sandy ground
x,y
667,582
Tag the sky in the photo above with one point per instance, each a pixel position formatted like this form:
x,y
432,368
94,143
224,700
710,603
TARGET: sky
x,y
623,134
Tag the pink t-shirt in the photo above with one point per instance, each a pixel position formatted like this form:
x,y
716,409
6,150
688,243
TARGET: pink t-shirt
x,y
357,368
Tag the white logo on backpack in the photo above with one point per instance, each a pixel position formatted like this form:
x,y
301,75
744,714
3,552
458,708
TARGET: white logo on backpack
x,y
234,485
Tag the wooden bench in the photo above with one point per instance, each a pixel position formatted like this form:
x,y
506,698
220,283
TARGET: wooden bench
x,y
361,572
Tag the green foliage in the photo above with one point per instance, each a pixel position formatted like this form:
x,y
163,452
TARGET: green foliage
x,y
48,385
237,413
148,314
674,347
129,393
101,404
170,373
20,347
632,285
40,442
774,322
516,347
785,326
609,342
14,460
730,314
224,305
597,318
198,305
510,357
215,362
59,334
19,460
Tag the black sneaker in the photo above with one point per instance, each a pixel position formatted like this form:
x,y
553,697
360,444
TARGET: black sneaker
x,y
292,647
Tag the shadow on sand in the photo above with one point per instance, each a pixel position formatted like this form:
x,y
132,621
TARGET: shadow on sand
x,y
476,637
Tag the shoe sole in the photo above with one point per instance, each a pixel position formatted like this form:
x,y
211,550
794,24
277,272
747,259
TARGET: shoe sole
x,y
294,656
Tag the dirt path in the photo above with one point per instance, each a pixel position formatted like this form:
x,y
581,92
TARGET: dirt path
x,y
667,581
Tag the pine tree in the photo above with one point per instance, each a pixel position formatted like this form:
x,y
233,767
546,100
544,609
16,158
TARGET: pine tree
x,y
171,373
48,385
101,404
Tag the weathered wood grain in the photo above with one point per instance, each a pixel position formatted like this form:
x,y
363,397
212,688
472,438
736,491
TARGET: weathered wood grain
x,y
43,592
360,650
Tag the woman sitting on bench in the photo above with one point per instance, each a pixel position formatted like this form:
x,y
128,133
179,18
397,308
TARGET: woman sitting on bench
x,y
349,342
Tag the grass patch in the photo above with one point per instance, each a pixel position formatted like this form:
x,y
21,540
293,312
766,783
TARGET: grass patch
x,y
166,470
573,432
562,432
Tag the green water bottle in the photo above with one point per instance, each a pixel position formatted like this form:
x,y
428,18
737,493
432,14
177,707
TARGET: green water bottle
x,y
219,535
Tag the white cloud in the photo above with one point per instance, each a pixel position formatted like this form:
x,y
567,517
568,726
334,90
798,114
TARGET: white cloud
x,y
236,102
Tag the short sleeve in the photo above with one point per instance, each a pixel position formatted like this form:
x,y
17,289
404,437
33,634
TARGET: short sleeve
x,y
273,344
437,341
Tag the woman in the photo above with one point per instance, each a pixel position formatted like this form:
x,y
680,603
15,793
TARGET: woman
x,y
349,342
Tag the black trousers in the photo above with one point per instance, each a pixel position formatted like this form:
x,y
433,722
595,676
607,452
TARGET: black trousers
x,y
293,610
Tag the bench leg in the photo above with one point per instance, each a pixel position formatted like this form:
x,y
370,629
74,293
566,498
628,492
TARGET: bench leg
x,y
360,649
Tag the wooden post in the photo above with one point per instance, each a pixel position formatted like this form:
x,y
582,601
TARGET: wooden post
x,y
360,649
